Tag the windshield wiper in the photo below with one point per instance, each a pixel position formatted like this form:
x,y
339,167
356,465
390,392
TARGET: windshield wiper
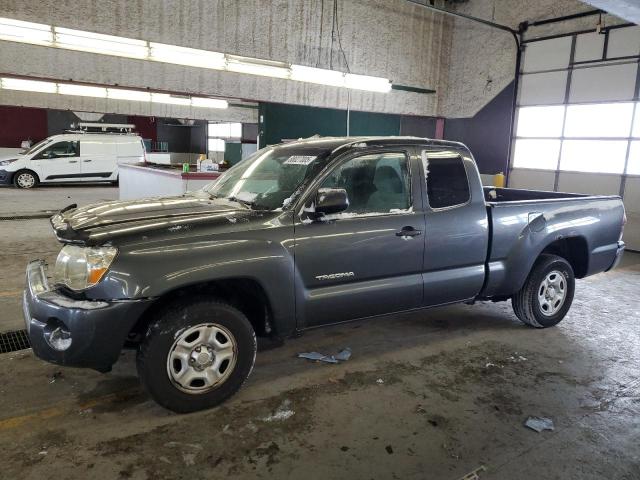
x,y
246,203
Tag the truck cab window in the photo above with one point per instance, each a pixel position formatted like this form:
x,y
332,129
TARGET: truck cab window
x,y
447,183
374,183
61,150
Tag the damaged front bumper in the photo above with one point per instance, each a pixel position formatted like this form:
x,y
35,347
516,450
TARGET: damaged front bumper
x,y
78,333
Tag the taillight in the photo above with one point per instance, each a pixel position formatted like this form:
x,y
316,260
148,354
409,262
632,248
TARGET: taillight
x,y
624,222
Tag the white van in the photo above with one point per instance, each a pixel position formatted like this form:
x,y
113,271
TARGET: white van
x,y
72,157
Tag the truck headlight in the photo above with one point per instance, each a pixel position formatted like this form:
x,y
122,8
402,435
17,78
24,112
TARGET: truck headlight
x,y
82,267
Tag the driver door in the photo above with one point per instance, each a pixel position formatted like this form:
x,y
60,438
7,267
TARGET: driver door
x,y
58,162
366,260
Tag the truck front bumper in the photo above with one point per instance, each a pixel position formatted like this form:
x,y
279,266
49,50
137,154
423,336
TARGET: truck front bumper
x,y
77,333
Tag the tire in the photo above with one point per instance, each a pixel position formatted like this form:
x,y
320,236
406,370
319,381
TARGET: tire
x,y
25,179
184,331
538,303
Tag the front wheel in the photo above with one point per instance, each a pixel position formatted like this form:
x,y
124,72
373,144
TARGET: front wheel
x,y
546,296
196,354
25,179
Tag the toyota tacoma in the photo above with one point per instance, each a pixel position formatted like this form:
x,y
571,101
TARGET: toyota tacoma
x,y
299,235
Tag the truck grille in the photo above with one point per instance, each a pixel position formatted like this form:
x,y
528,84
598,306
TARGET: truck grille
x,y
14,341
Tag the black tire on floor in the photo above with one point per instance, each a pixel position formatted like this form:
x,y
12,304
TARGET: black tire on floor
x,y
25,179
159,340
526,303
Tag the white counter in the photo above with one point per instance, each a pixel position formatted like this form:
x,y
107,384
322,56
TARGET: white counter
x,y
140,181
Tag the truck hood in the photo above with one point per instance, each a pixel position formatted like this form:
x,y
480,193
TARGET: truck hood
x,y
102,221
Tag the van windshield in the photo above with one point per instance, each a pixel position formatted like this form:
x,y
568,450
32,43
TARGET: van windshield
x,y
36,147
271,178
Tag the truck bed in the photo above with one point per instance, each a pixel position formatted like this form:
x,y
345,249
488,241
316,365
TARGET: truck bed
x,y
524,222
496,195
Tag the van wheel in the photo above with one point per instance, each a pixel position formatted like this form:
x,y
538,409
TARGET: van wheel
x,y
25,179
546,296
196,354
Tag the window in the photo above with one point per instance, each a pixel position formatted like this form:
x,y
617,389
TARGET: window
x,y
61,150
597,156
633,168
540,121
541,154
600,120
215,145
447,183
225,130
375,183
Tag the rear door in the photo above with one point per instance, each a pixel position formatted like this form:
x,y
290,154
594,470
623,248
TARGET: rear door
x,y
98,158
59,162
367,260
457,230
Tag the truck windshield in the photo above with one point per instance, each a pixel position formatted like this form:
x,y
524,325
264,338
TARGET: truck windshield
x,y
271,178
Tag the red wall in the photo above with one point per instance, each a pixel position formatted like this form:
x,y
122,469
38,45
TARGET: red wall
x,y
20,123
145,127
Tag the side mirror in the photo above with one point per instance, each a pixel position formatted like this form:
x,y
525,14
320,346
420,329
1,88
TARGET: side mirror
x,y
331,200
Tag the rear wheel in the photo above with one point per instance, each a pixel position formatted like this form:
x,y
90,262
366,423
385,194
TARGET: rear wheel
x,y
546,296
25,179
196,354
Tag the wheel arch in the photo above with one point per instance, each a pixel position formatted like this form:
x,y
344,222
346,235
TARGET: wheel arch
x,y
574,250
244,293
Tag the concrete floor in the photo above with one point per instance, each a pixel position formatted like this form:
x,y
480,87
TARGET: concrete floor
x,y
52,197
434,394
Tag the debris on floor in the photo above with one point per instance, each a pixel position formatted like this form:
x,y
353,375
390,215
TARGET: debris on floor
x,y
341,356
539,423
379,381
57,375
283,412
474,474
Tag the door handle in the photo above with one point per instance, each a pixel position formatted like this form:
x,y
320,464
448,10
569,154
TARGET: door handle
x,y
408,232
73,161
85,161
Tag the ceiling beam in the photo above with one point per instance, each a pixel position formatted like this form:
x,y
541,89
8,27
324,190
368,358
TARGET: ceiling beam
x,y
627,9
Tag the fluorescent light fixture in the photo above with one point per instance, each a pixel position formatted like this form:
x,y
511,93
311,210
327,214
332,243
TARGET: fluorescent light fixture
x,y
82,90
208,102
170,99
365,82
71,39
28,85
192,57
8,83
320,76
26,32
254,66
134,95
99,43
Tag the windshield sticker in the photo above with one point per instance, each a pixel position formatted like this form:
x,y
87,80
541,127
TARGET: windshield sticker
x,y
299,160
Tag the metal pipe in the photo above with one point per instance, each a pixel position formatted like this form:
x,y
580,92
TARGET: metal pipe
x,y
588,13
465,16
517,37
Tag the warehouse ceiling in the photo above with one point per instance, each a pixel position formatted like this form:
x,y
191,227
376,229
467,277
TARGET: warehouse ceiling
x,y
626,9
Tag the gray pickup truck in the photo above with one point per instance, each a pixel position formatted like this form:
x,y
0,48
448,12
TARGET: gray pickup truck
x,y
300,235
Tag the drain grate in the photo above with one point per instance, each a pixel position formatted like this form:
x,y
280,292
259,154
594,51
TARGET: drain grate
x,y
14,341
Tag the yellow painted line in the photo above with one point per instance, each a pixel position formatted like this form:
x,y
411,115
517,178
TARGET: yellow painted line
x,y
14,422
10,293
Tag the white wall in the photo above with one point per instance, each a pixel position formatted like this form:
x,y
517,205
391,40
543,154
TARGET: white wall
x,y
392,39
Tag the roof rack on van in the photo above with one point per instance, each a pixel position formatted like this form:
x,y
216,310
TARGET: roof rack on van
x,y
87,127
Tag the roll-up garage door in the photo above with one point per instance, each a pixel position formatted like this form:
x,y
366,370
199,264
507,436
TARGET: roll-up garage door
x,y
577,123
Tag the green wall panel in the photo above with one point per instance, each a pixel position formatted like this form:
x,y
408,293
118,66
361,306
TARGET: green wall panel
x,y
233,152
279,122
